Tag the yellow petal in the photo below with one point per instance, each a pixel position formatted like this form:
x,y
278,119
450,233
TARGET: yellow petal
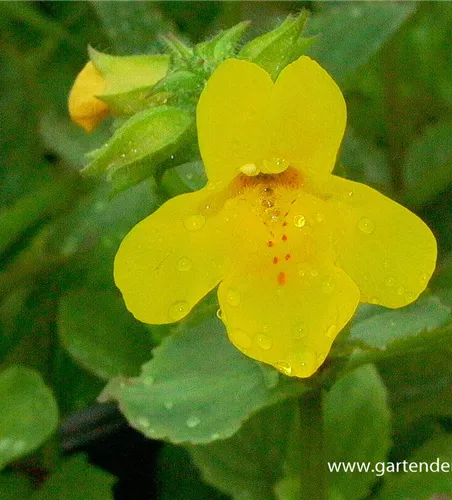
x,y
307,115
292,325
84,108
387,250
230,118
282,299
171,259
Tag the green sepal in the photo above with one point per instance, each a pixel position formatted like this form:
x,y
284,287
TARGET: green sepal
x,y
181,87
278,48
144,141
223,45
180,53
129,79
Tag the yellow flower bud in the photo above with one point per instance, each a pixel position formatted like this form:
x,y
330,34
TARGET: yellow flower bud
x,y
85,108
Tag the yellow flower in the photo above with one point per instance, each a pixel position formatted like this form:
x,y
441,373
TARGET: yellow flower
x,y
293,248
85,108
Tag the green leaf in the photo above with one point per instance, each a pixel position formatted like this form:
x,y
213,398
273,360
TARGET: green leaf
x,y
179,479
276,49
357,429
133,28
364,162
28,210
197,388
427,479
76,479
428,166
350,34
381,330
14,487
250,464
184,178
146,139
28,413
99,332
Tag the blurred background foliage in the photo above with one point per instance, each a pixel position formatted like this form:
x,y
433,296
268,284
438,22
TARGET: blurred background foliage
x,y
64,331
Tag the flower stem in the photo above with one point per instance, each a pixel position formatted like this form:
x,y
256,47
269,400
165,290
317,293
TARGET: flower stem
x,y
313,466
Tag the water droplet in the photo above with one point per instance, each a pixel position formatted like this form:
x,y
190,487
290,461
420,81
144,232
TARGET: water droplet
x,y
178,310
193,422
410,296
275,165
423,278
321,358
299,220
184,264
143,422
149,380
366,226
194,222
374,300
314,273
215,436
400,290
210,186
263,341
168,405
249,169
231,203
328,285
240,339
331,331
233,297
219,314
284,367
390,282
319,217
305,360
299,332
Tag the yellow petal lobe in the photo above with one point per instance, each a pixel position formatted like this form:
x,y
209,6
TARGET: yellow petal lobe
x,y
388,251
85,109
306,116
231,118
174,257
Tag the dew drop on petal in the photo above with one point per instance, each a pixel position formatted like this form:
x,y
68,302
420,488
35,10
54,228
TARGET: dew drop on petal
x,y
299,333
306,361
374,300
193,422
321,358
219,314
299,220
263,341
178,310
194,222
390,282
331,331
366,226
400,290
319,217
184,264
314,273
240,339
423,278
328,285
410,296
284,367
233,297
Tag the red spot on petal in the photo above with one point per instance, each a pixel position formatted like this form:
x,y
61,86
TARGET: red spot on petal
x,y
288,256
275,260
286,214
284,237
270,243
282,278
284,223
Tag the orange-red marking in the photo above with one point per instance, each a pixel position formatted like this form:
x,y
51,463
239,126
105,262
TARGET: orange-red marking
x,y
275,260
270,243
288,256
284,237
282,278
